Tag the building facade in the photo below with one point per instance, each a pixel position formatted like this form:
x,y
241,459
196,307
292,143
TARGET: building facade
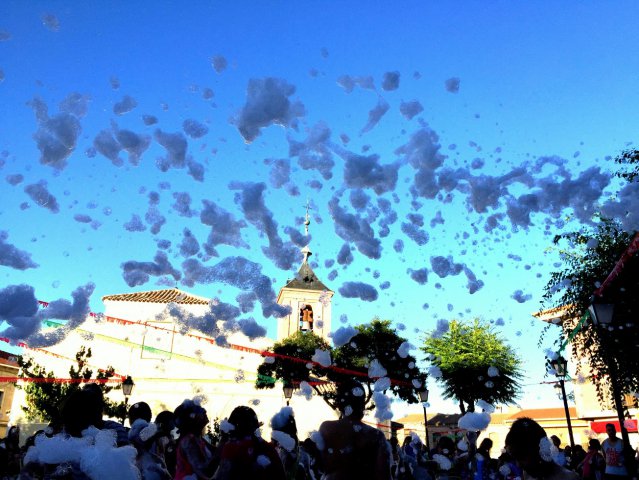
x,y
169,362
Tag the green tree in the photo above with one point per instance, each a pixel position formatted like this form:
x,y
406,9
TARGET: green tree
x,y
588,256
45,395
475,364
379,341
292,363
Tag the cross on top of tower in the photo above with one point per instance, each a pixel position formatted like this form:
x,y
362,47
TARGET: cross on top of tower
x,y
307,221
307,218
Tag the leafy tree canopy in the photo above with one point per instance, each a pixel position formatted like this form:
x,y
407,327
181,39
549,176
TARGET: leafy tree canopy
x,y
44,398
475,363
629,161
374,341
588,256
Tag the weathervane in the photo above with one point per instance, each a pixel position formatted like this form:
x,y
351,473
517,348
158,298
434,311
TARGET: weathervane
x,y
307,221
307,218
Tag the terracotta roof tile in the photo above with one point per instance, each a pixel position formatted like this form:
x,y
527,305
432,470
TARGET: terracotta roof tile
x,y
544,413
170,295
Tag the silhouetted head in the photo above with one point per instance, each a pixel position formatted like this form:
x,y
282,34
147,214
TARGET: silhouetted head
x,y
351,399
244,420
526,441
80,410
594,444
446,445
165,421
485,445
139,410
190,418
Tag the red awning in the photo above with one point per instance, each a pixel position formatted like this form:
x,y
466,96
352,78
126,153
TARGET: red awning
x,y
600,427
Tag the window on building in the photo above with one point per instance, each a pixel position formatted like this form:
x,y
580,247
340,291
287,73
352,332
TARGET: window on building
x,y
306,318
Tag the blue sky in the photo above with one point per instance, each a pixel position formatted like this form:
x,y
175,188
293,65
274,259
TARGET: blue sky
x,y
541,93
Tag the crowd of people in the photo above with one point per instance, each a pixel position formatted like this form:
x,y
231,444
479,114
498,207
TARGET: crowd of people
x,y
86,446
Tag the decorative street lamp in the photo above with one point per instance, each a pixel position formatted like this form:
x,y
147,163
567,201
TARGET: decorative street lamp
x,y
288,392
560,364
127,389
423,397
601,313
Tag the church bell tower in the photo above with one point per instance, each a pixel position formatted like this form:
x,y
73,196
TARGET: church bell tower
x,y
309,299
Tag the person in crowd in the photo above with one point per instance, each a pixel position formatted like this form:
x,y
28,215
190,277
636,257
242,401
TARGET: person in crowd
x,y
444,459
246,455
593,464
353,450
420,470
139,410
560,457
164,445
296,461
194,457
316,461
81,411
483,460
407,447
568,453
577,456
507,467
395,456
151,465
613,450
533,450
409,457
93,398
10,454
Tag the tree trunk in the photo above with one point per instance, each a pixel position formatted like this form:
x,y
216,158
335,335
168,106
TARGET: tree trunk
x,y
462,407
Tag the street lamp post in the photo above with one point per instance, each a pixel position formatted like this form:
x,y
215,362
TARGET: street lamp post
x,y
423,397
127,389
560,364
288,392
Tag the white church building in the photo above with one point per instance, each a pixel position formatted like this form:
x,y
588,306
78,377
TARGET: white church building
x,y
169,365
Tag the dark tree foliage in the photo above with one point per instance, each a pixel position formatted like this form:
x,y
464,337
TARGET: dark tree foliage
x,y
588,257
301,346
629,160
465,355
376,340
45,398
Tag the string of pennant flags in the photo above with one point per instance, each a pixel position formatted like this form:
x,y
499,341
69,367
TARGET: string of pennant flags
x,y
155,350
